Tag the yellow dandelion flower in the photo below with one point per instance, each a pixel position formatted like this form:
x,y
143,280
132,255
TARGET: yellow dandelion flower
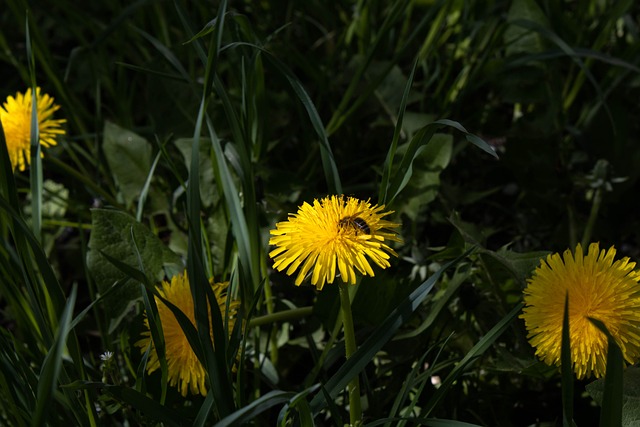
x,y
598,288
184,368
15,115
334,235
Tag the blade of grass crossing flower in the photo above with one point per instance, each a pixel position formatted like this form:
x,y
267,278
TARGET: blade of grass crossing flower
x,y
357,362
7,183
388,162
566,368
197,275
203,297
476,352
611,414
48,379
35,171
185,324
157,335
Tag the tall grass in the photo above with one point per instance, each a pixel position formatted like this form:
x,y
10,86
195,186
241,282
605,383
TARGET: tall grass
x,y
495,131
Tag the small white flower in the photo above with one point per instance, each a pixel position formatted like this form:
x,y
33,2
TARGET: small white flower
x,y
106,356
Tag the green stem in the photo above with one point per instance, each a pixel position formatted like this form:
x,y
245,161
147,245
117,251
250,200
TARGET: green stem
x,y
355,408
593,216
281,316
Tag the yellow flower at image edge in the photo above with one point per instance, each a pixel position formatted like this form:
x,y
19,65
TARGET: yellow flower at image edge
x,y
598,287
15,115
184,368
335,235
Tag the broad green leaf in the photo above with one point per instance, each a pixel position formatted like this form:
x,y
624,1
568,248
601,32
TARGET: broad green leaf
x,y
129,158
112,234
519,265
521,40
425,172
630,396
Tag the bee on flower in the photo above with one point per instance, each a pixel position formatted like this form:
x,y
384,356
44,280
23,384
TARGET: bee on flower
x,y
335,236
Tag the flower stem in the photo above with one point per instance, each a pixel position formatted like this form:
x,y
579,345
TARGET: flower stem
x,y
281,316
355,408
593,216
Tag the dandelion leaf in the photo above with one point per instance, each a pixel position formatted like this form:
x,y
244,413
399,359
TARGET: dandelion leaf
x,y
129,158
518,38
113,233
630,396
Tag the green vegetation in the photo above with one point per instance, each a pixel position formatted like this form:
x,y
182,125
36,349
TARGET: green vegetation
x,y
497,132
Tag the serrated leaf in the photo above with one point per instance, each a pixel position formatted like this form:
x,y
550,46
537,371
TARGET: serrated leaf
x,y
630,395
111,234
129,158
521,265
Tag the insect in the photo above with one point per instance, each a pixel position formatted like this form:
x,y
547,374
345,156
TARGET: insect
x,y
358,224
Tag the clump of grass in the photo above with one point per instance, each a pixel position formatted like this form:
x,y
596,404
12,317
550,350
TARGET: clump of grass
x,y
192,130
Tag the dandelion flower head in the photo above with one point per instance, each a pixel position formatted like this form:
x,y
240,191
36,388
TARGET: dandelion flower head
x,y
15,115
184,369
597,287
335,235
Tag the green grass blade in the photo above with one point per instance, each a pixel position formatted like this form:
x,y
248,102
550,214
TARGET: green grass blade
x,y
429,422
205,410
566,367
481,346
296,400
145,188
48,379
388,162
420,139
35,171
157,335
378,338
137,400
250,411
611,414
328,162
